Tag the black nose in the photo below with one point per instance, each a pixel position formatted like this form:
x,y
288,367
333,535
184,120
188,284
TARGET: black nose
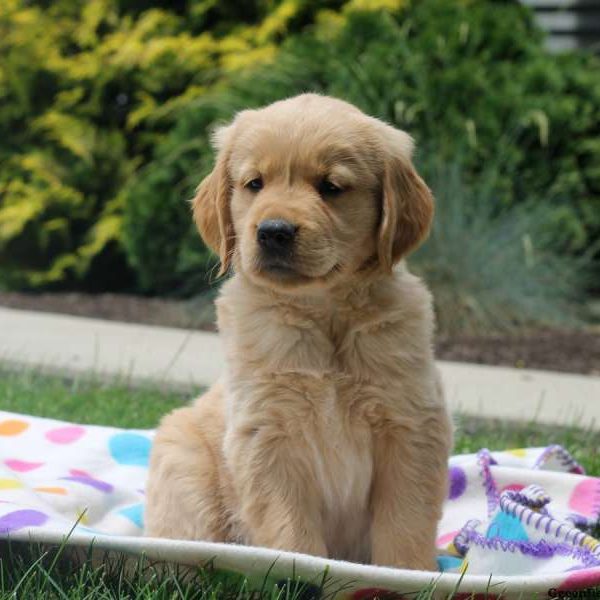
x,y
276,235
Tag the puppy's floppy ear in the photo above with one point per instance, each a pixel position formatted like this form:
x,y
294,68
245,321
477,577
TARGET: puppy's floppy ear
x,y
407,202
210,205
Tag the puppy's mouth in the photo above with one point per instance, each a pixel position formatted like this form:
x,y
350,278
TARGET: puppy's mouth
x,y
278,267
286,272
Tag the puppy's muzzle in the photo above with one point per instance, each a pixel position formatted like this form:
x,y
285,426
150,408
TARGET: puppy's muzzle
x,y
276,239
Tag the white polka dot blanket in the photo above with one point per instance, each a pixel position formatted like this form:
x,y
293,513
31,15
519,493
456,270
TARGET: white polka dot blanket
x,y
515,523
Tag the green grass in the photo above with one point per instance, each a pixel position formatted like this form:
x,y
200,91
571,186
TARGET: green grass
x,y
41,573
35,572
88,399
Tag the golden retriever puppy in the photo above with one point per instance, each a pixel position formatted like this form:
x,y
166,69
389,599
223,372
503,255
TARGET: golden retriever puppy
x,y
328,433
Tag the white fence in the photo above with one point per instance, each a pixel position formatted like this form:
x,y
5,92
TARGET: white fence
x,y
569,23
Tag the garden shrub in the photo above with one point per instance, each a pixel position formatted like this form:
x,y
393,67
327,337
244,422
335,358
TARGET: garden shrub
x,y
87,90
467,79
491,271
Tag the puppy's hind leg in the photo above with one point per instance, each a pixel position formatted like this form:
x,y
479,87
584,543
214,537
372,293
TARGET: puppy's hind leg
x,y
184,491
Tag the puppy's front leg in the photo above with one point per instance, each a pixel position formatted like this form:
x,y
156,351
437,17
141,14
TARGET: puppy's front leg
x,y
409,488
274,478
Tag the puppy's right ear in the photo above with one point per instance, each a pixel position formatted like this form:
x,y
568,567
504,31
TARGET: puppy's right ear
x,y
211,204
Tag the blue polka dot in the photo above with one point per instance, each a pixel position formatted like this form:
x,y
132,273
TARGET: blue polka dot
x,y
445,563
134,513
130,449
83,529
507,527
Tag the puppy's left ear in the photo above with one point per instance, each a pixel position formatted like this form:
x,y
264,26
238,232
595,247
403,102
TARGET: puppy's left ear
x,y
407,202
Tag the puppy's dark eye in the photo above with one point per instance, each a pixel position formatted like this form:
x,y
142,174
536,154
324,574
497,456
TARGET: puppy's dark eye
x,y
255,185
327,189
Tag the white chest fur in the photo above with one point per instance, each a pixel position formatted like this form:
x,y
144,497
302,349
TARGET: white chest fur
x,y
345,467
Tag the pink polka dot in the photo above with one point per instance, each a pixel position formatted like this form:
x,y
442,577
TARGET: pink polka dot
x,y
586,578
585,498
102,486
79,473
65,435
445,539
21,466
513,487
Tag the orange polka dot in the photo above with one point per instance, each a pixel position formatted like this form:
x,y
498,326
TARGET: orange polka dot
x,y
52,490
12,427
10,484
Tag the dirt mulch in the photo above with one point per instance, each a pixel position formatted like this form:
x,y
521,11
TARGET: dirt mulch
x,y
117,307
550,350
555,350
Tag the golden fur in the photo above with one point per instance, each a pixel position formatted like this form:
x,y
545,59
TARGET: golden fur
x,y
328,433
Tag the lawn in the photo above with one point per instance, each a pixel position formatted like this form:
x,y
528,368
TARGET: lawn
x,y
28,573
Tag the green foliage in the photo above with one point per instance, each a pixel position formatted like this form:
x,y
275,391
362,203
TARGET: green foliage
x,y
87,89
159,235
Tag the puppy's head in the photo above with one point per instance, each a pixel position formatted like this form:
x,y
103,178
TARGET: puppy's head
x,y
310,190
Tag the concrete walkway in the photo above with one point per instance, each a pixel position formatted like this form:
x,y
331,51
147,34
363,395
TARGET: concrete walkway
x,y
59,343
